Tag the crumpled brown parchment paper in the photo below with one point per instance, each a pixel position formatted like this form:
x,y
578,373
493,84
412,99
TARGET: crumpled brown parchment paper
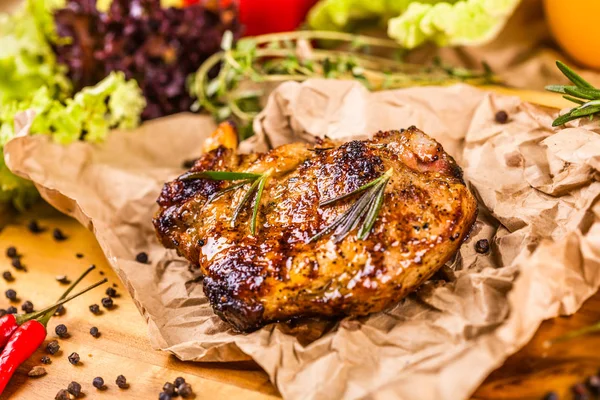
x,y
537,189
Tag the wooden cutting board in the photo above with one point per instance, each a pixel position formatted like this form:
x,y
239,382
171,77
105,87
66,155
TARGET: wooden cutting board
x,y
123,347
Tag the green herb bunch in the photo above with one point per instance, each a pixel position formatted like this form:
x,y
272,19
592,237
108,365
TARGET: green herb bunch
x,y
247,68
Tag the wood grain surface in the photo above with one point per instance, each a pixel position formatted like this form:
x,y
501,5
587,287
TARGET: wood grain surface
x,y
123,347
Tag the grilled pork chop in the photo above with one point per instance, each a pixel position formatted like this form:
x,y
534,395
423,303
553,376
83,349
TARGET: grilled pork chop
x,y
293,266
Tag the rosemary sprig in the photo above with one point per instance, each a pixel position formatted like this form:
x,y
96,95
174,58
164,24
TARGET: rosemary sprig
x,y
255,62
582,93
257,184
362,214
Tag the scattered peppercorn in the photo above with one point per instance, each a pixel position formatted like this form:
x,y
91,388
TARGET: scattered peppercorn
x,y
115,285
501,117
179,381
142,257
74,388
34,227
11,295
185,390
62,395
79,255
107,302
27,307
52,347
169,388
11,252
61,331
17,264
122,382
95,309
111,292
187,164
101,272
8,276
98,383
58,235
45,360
37,371
11,310
551,396
95,332
60,310
482,246
74,358
164,396
62,279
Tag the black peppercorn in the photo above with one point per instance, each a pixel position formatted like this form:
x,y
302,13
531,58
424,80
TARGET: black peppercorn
x,y
501,117
122,382
482,246
11,295
95,309
169,388
142,257
61,331
107,302
52,347
179,381
11,310
27,307
164,396
58,235
74,358
62,395
11,252
45,360
62,279
98,383
95,332
34,227
187,164
111,292
74,388
60,310
79,255
185,390
8,276
17,264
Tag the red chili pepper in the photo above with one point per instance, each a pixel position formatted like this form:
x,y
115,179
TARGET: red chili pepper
x,y
27,338
10,322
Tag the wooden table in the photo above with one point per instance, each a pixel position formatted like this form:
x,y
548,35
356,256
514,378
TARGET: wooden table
x,y
123,347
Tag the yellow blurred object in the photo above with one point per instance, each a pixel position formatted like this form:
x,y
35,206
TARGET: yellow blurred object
x,y
103,5
574,24
225,135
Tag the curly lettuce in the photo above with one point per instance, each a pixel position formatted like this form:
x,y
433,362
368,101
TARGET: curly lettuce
x,y
414,22
113,103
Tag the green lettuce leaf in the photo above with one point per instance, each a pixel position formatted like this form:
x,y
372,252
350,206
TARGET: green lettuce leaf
x,y
414,22
89,115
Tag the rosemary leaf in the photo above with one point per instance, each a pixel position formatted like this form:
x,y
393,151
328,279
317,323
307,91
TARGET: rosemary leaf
x,y
583,93
374,209
261,185
563,119
219,175
228,189
247,196
352,193
354,215
584,111
573,76
574,100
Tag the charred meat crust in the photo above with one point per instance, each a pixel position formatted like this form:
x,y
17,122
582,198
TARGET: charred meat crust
x,y
276,275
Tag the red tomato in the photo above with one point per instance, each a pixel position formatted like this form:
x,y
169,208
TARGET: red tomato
x,y
268,16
